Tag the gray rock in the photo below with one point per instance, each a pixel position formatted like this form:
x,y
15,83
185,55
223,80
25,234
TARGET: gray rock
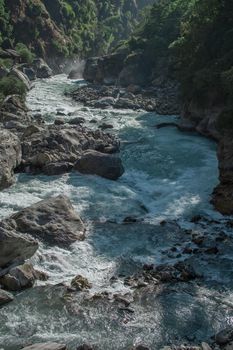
x,y
41,68
30,73
85,347
5,297
14,246
126,103
57,168
19,277
80,283
52,220
46,346
62,144
10,157
225,336
96,163
104,102
76,121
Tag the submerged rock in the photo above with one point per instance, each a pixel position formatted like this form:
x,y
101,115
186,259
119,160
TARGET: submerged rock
x,y
96,163
225,336
46,346
5,297
85,347
80,283
52,220
10,157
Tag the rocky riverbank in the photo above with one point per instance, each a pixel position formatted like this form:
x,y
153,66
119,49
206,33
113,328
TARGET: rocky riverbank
x,y
118,82
162,100
65,146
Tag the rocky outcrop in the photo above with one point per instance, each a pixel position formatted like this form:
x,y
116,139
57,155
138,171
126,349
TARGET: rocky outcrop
x,y
42,70
10,157
54,149
14,114
80,283
37,69
162,100
206,122
46,346
15,248
96,163
118,68
223,193
104,70
52,220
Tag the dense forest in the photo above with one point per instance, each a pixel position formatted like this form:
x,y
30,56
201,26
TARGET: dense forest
x,y
191,41
69,27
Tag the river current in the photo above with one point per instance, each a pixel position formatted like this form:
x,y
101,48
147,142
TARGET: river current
x,y
169,175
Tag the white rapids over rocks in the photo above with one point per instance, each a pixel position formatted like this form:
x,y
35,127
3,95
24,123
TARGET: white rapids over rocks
x,y
168,175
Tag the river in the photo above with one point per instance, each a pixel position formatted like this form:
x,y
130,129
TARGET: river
x,y
169,175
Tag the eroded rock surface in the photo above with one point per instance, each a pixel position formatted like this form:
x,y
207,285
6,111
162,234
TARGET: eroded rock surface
x,y
5,297
15,247
223,193
54,149
10,157
52,220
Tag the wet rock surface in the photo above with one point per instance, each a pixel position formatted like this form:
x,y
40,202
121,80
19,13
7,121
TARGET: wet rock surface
x,y
21,277
54,149
14,247
5,297
96,163
52,220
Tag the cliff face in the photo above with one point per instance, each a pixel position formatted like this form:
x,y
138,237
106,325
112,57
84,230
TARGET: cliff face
x,y
207,121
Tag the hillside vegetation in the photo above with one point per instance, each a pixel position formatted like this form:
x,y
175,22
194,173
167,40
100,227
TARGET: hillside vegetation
x,y
59,27
191,41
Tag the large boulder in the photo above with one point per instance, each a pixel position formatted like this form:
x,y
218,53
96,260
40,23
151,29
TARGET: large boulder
x,y
15,247
52,220
10,157
104,70
46,346
5,297
42,70
21,277
96,163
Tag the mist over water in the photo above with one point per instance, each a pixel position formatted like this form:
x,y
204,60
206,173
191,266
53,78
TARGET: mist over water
x,y
168,175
